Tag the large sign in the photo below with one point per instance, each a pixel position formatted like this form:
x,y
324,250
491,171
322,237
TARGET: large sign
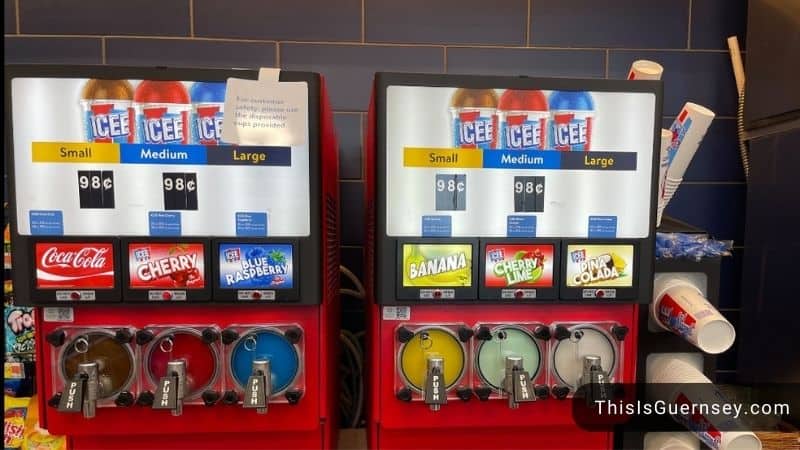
x,y
518,163
139,157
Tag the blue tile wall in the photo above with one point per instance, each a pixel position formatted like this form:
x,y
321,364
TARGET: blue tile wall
x,y
618,23
139,17
10,13
700,77
350,68
713,21
348,40
190,53
41,50
447,21
296,20
530,62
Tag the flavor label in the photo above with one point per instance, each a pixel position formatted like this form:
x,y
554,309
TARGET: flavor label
x,y
519,265
435,265
166,265
163,223
74,265
600,265
603,227
256,266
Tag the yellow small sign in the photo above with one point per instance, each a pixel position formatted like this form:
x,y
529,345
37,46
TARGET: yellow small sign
x,y
75,152
437,265
443,157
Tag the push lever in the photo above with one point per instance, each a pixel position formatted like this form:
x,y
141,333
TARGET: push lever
x,y
259,387
517,383
434,393
594,380
172,388
80,394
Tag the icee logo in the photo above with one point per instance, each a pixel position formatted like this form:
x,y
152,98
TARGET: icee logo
x,y
524,134
108,124
162,127
474,130
208,124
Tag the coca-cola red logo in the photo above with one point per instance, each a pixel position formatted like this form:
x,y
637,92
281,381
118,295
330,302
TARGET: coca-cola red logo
x,y
74,265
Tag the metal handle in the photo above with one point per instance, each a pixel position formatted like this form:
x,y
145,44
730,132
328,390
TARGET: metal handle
x,y
435,395
91,378
177,369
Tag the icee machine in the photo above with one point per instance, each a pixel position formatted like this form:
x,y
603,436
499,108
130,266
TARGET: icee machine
x,y
186,289
511,224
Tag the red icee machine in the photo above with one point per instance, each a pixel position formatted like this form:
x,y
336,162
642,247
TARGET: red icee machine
x,y
186,289
512,223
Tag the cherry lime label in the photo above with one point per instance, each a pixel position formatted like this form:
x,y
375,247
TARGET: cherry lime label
x,y
519,265
166,266
207,124
108,121
256,266
164,124
74,265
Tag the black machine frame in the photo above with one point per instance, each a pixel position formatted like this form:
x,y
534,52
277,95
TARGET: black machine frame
x,y
307,247
388,287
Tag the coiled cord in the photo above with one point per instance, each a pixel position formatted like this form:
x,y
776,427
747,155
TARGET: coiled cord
x,y
744,151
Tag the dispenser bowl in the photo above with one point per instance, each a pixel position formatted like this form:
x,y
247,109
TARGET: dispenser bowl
x,y
428,342
272,345
584,340
116,363
507,340
202,359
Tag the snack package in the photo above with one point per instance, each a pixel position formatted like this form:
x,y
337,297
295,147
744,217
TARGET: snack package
x,y
14,422
37,438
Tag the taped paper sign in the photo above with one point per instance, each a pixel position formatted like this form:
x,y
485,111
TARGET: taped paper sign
x,y
265,113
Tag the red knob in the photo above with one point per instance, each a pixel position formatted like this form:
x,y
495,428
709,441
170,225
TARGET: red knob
x,y
256,295
599,293
518,293
166,295
437,294
75,295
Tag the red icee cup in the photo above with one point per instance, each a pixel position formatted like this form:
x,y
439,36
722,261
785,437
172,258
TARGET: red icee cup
x,y
680,307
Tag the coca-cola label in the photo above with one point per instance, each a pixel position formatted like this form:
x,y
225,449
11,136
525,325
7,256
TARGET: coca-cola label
x,y
166,266
74,265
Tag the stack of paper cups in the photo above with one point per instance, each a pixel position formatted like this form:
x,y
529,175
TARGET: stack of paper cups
x,y
688,131
685,382
680,307
645,70
671,441
666,140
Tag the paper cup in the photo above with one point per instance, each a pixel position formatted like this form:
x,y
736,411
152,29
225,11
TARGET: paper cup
x,y
645,70
740,440
680,307
673,377
671,441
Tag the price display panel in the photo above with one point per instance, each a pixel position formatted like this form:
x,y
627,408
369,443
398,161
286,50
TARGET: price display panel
x,y
514,161
143,157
